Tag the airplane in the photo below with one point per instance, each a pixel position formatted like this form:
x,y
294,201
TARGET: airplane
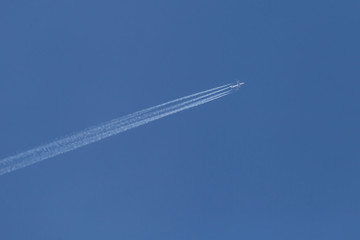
x,y
237,85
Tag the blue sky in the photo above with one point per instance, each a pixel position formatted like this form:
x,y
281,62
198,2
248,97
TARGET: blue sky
x,y
279,159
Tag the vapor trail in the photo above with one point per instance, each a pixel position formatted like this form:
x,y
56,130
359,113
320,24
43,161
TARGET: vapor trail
x,y
110,128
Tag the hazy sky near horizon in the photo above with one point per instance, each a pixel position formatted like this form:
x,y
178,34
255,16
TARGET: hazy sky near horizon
x,y
278,159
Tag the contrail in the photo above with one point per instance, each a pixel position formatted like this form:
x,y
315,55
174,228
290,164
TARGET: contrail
x,y
110,128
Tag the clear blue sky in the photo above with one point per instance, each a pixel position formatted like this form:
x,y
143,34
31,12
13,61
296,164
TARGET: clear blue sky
x,y
279,159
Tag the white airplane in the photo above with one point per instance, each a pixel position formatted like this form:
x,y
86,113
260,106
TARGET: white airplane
x,y
237,85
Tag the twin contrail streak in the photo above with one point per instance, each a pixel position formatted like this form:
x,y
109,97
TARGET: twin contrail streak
x,y
113,127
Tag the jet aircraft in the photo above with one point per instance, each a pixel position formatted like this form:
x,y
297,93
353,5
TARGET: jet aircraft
x,y
237,85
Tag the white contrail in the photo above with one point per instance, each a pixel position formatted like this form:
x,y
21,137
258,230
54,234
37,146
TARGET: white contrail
x,y
107,129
